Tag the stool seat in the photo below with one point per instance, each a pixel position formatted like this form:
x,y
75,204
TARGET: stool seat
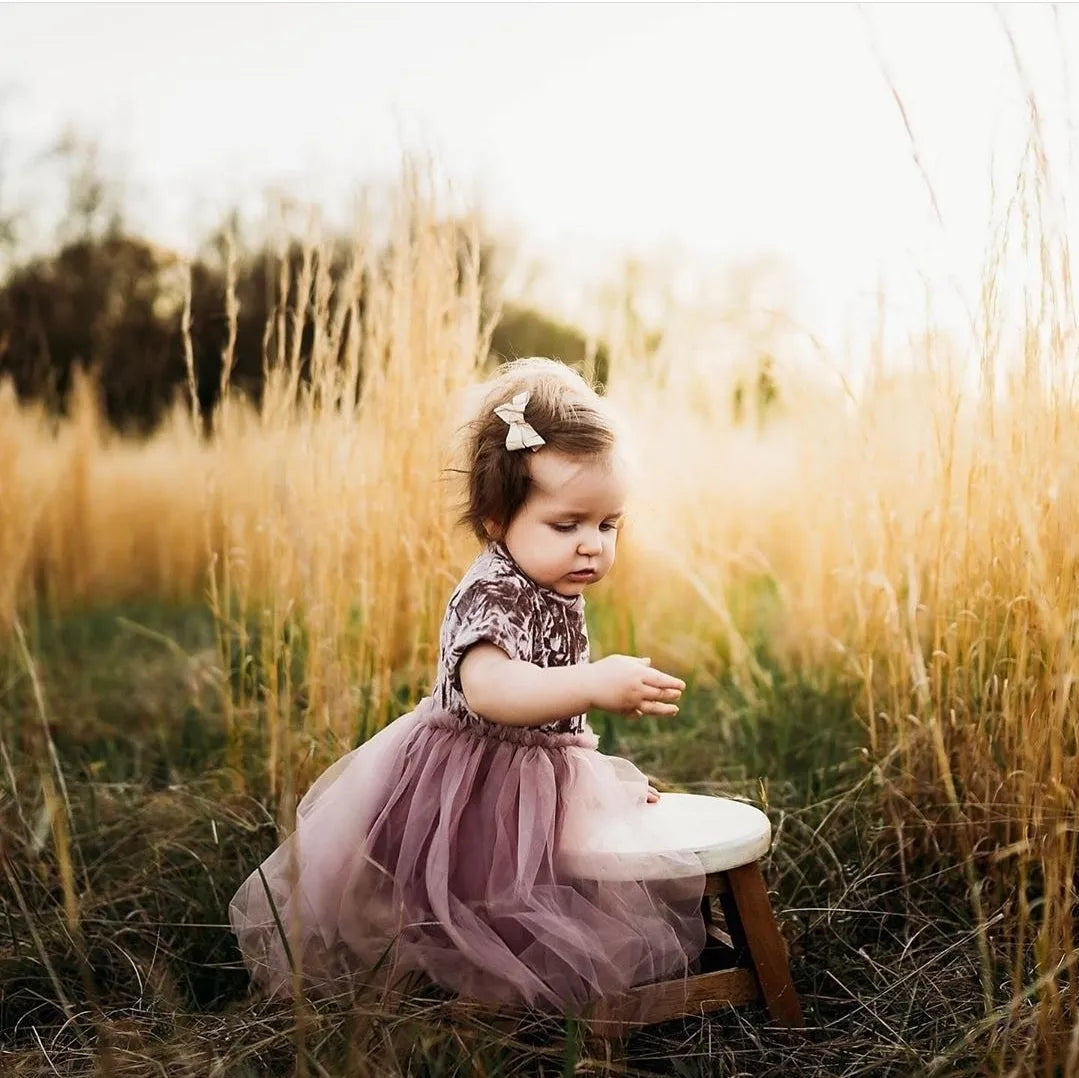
x,y
722,833
745,957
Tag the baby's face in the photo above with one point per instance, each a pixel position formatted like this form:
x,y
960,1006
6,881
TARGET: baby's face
x,y
570,521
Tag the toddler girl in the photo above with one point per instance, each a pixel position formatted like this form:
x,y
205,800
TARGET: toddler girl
x,y
472,838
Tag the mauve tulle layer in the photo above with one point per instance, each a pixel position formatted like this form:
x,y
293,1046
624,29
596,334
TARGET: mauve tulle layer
x,y
442,848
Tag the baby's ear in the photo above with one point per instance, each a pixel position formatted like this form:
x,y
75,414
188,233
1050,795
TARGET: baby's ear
x,y
492,529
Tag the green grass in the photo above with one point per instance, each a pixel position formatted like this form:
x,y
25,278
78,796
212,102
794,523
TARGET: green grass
x,y
883,951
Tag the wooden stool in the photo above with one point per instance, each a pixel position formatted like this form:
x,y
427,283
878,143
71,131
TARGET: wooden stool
x,y
745,959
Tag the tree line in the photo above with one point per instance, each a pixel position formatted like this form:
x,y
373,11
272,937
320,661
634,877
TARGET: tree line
x,y
113,304
108,300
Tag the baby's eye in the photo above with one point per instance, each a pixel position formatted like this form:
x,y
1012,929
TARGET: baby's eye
x,y
610,525
563,527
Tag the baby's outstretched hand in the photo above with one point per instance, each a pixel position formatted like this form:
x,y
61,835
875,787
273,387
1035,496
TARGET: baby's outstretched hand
x,y
631,686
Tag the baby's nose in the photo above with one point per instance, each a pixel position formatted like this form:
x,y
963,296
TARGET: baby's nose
x,y
590,543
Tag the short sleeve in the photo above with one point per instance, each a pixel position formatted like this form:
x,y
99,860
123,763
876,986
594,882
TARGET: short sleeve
x,y
493,609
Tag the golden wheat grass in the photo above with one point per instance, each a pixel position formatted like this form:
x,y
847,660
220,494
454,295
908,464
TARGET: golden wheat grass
x,y
917,540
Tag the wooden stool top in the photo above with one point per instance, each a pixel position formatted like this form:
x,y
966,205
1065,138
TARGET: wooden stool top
x,y
715,833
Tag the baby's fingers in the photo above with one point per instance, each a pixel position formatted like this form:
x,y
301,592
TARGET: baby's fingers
x,y
661,692
656,707
659,680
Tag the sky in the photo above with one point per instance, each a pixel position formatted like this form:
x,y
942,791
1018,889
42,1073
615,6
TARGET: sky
x,y
698,136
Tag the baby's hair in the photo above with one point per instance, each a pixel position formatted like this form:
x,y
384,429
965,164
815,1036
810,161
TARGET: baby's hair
x,y
563,409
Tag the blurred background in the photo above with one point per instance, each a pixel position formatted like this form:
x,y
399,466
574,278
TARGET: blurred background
x,y
839,168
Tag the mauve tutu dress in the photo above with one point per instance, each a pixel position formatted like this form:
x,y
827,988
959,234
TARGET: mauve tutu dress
x,y
475,851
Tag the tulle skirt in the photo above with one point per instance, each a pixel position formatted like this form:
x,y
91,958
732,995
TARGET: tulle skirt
x,y
477,856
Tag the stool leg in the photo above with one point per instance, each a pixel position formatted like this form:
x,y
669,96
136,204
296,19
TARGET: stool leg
x,y
734,923
765,944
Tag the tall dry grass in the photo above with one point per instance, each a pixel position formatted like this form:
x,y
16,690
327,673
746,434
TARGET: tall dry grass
x,y
916,540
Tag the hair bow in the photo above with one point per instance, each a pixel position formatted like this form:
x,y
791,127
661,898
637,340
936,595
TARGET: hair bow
x,y
521,435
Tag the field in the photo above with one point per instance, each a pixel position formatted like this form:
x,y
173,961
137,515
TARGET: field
x,y
870,593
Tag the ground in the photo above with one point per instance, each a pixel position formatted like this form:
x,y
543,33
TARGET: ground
x,y
164,826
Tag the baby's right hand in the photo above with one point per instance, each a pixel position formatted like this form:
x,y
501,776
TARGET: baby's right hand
x,y
626,684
